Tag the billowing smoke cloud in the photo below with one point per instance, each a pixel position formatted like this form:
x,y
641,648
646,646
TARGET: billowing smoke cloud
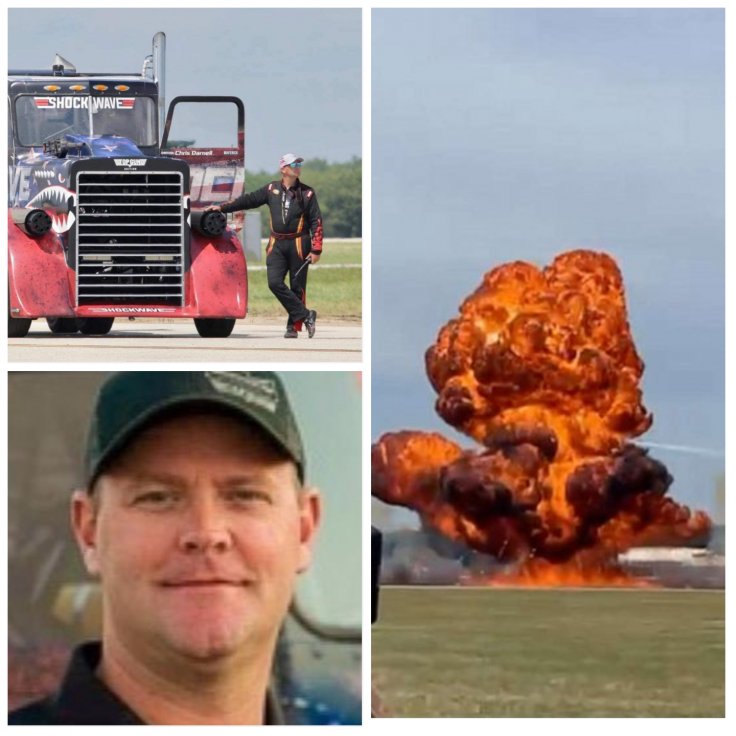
x,y
541,370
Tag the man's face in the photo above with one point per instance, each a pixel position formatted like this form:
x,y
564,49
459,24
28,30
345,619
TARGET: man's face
x,y
198,532
290,173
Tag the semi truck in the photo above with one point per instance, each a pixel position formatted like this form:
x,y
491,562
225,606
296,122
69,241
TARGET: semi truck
x,y
107,212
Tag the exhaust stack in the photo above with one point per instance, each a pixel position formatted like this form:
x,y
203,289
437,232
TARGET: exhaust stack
x,y
159,76
154,68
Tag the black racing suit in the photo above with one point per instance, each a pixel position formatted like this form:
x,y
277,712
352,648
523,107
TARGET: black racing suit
x,y
294,215
83,699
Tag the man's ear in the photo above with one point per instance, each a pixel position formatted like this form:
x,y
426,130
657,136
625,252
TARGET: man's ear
x,y
310,515
84,526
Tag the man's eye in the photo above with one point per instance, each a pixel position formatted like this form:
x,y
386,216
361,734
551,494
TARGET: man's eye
x,y
156,499
242,496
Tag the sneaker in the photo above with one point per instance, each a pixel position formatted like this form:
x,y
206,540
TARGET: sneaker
x,y
291,332
310,322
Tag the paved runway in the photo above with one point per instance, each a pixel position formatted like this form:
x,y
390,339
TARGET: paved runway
x,y
177,341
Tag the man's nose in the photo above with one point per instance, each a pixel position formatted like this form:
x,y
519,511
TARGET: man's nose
x,y
206,540
206,530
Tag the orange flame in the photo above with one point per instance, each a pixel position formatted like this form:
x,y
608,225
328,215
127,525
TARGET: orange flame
x,y
541,573
541,369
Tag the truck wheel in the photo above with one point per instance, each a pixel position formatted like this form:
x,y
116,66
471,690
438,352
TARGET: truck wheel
x,y
95,325
214,327
18,327
59,325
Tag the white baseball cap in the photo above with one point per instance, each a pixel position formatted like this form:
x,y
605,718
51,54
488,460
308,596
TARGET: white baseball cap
x,y
289,158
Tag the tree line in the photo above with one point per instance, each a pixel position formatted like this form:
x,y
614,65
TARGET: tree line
x,y
339,193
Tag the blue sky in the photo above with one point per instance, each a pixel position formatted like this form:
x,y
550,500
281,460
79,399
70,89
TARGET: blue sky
x,y
297,71
517,134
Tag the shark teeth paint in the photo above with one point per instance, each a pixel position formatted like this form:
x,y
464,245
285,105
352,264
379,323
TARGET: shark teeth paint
x,y
58,202
62,223
55,198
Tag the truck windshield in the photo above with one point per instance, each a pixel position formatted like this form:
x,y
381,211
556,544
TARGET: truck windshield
x,y
40,119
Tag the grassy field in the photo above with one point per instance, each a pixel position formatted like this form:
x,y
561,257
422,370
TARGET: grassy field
x,y
335,293
550,653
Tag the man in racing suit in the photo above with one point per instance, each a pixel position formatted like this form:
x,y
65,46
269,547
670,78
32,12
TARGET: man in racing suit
x,y
294,214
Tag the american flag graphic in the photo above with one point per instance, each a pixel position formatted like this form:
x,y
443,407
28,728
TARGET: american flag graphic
x,y
127,102
42,101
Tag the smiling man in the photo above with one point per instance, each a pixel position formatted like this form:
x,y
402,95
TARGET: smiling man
x,y
197,522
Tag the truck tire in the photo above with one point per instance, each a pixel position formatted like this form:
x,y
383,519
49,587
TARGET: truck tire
x,y
18,327
95,325
208,327
61,325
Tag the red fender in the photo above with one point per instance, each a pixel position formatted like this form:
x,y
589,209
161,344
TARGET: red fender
x,y
39,281
217,281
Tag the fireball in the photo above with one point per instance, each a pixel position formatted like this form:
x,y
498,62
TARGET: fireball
x,y
541,370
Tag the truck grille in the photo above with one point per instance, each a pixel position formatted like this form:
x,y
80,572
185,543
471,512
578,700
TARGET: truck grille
x,y
130,237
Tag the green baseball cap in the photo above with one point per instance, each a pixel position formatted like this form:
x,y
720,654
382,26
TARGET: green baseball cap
x,y
129,401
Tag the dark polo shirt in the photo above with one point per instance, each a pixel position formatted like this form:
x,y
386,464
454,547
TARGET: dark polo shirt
x,y
83,699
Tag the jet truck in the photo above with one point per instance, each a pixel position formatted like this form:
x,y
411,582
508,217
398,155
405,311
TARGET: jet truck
x,y
107,212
